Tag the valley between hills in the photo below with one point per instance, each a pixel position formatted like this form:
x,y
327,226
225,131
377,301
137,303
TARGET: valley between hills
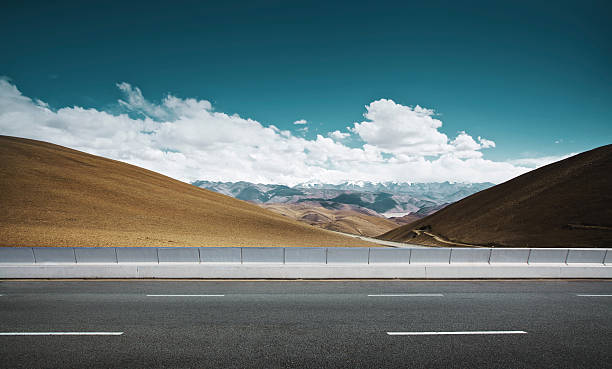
x,y
362,208
55,196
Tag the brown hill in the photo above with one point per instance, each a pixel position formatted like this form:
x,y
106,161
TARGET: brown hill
x,y
406,219
564,204
347,219
55,196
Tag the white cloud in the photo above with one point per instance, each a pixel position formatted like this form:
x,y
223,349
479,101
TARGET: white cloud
x,y
402,129
301,121
337,135
485,144
537,162
137,103
464,146
413,132
187,140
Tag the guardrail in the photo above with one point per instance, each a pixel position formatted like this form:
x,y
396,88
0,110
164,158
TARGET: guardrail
x,y
302,262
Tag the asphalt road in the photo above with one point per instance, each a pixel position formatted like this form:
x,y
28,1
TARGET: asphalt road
x,y
306,324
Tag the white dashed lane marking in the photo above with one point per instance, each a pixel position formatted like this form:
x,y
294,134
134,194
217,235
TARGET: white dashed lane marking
x,y
452,333
185,295
409,295
61,333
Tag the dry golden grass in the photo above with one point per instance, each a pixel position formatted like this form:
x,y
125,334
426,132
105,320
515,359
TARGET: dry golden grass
x,y
54,196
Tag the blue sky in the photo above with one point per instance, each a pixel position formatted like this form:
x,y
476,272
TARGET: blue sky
x,y
534,77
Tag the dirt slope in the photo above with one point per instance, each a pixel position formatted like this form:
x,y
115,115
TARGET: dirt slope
x,y
340,220
406,219
54,196
564,204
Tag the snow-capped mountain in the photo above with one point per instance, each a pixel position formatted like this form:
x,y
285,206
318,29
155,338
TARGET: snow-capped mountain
x,y
391,199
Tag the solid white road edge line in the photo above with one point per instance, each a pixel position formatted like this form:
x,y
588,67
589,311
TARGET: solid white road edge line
x,y
452,333
594,295
410,295
185,295
61,333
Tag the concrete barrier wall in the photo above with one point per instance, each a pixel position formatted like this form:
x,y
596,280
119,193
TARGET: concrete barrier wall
x,y
16,255
509,256
305,255
95,255
263,255
178,255
478,256
430,256
500,270
137,255
70,271
220,255
586,256
54,255
300,262
332,271
548,256
389,256
280,271
347,255
300,255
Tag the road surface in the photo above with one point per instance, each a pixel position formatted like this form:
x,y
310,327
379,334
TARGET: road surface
x,y
401,245
306,324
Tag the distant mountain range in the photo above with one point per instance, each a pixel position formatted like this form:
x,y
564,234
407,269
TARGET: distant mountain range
x,y
390,199
364,208
344,218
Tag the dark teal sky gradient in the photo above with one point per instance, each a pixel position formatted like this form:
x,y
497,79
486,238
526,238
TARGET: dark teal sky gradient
x,y
524,74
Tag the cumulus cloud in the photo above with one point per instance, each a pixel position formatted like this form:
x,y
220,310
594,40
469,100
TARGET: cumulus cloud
x,y
337,135
464,146
301,121
401,129
186,139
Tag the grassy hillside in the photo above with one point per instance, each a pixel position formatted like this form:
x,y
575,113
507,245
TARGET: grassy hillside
x,y
564,204
55,196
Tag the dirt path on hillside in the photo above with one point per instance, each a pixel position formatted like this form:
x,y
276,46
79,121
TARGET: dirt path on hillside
x,y
442,240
